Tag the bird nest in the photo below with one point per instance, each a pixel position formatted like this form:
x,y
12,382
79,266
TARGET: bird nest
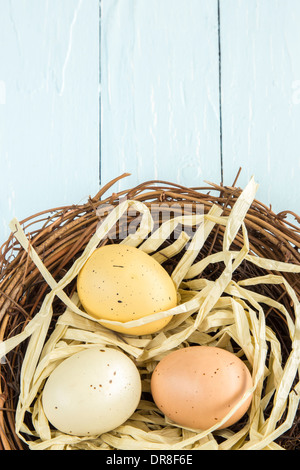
x,y
235,264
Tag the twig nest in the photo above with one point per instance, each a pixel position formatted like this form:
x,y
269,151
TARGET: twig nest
x,y
234,265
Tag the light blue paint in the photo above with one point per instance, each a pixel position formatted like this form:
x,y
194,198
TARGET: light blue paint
x,y
49,111
160,100
260,43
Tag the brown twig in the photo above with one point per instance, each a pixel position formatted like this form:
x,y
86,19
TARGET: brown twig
x,y
59,235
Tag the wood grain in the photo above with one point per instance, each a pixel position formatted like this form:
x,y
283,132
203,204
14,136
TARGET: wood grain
x,y
190,91
160,97
49,105
260,97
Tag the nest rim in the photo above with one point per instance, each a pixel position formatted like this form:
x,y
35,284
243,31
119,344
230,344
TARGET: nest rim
x,y
65,230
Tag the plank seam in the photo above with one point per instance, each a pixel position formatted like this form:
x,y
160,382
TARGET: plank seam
x,y
100,96
220,89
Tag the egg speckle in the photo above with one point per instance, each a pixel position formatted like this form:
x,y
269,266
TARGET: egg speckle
x,y
81,389
122,283
197,386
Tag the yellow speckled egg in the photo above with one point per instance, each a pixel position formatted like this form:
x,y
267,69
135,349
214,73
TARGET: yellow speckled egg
x,y
122,283
197,386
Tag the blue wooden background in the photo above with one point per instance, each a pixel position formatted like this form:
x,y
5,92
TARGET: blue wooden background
x,y
181,90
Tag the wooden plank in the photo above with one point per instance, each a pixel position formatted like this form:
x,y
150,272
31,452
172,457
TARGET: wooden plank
x,y
260,97
159,82
49,105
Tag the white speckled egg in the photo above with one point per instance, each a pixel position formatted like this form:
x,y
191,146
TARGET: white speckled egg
x,y
122,283
92,392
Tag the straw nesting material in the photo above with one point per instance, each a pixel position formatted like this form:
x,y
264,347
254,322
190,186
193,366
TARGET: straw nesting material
x,y
236,267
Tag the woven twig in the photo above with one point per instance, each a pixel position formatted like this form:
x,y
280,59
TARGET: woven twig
x,y
60,235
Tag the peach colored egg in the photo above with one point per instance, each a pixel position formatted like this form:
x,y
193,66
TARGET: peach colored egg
x,y
198,385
